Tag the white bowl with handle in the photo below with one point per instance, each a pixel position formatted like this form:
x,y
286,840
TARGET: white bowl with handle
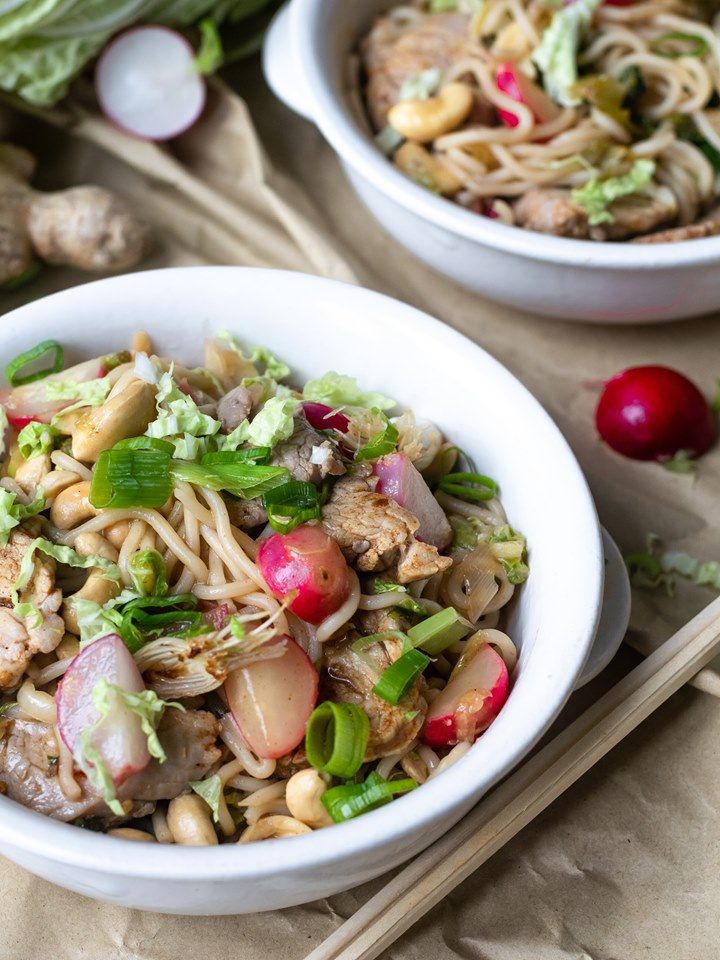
x,y
317,325
306,57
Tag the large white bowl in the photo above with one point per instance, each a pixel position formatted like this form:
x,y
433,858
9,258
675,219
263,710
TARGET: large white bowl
x,y
306,63
319,325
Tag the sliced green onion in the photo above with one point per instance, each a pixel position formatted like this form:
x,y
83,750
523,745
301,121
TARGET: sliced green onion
x,y
131,478
381,444
411,605
362,643
140,622
291,504
244,480
439,631
696,46
112,360
336,738
50,347
395,682
383,585
248,455
145,443
468,486
148,573
352,799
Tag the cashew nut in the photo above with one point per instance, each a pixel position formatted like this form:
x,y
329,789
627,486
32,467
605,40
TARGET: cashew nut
x,y
125,415
188,819
117,533
97,587
72,506
422,167
141,343
302,796
57,481
128,833
275,827
424,120
31,473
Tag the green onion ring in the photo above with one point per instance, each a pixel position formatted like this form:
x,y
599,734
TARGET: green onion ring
x,y
12,371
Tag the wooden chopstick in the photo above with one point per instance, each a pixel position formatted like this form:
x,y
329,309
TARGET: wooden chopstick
x,y
707,680
525,794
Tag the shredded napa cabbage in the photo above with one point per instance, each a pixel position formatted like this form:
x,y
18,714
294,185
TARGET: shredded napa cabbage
x,y
596,195
338,390
274,423
211,790
180,421
35,439
421,86
275,369
12,512
92,393
557,53
4,425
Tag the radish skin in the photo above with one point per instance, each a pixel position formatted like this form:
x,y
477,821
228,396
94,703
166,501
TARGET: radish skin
x,y
399,479
119,737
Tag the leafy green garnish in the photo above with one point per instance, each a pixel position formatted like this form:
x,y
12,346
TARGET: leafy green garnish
x,y
596,195
517,570
211,790
337,390
682,462
36,439
381,443
12,512
557,53
209,56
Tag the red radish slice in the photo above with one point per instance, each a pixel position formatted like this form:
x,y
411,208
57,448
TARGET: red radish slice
x,y
654,413
271,701
147,84
119,737
26,404
399,479
474,696
510,79
308,562
322,417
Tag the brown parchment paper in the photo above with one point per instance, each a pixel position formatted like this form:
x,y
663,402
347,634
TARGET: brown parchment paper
x,y
625,865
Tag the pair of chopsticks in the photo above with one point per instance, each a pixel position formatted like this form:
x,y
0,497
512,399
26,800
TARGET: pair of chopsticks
x,y
525,794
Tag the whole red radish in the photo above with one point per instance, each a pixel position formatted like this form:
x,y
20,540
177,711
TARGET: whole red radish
x,y
271,700
473,697
310,563
119,737
654,413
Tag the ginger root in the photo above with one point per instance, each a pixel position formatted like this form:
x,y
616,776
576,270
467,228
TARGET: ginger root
x,y
85,227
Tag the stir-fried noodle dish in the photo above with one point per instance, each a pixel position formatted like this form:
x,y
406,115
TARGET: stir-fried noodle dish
x,y
590,119
232,609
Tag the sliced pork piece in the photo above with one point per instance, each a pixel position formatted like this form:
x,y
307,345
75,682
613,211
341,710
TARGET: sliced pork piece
x,y
20,639
552,210
349,678
246,514
391,54
238,405
375,533
29,763
378,621
308,455
189,741
709,226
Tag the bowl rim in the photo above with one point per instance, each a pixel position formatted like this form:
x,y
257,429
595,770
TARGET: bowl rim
x,y
38,835
307,35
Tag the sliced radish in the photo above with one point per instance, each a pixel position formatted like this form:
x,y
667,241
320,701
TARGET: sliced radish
x,y
399,479
322,417
147,83
26,404
473,697
510,79
119,737
271,700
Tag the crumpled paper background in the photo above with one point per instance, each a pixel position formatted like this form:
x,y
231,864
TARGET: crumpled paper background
x,y
624,865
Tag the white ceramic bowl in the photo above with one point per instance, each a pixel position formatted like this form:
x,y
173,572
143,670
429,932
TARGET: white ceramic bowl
x,y
306,63
319,325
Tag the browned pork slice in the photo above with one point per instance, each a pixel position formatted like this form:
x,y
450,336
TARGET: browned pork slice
x,y
379,621
246,514
392,54
709,226
29,767
375,533
349,678
20,639
552,210
308,455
